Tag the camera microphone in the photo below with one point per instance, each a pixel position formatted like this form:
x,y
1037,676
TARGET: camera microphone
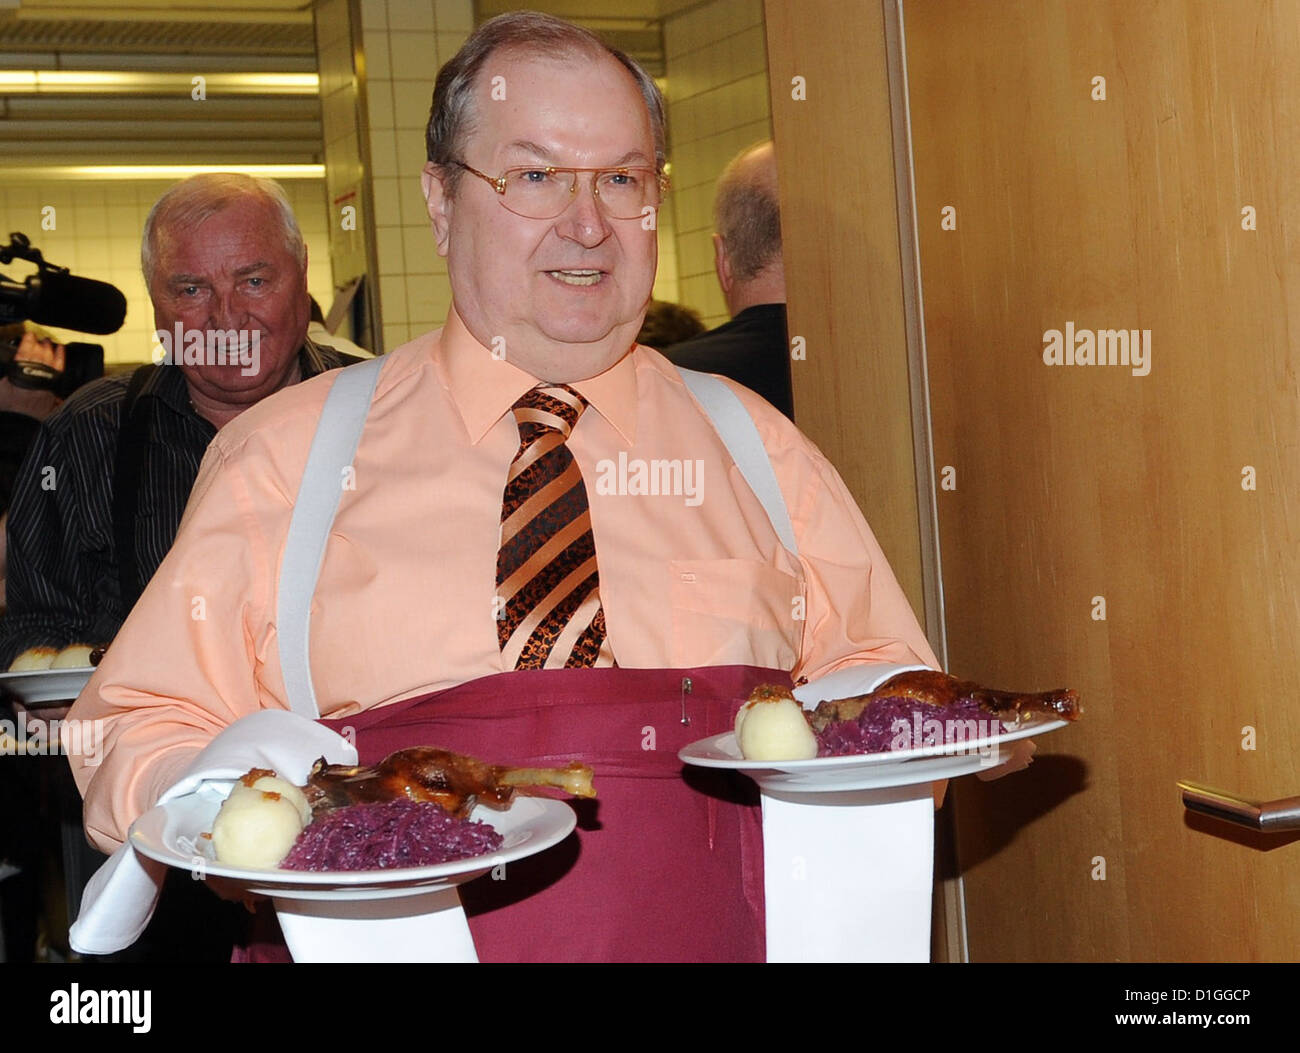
x,y
65,301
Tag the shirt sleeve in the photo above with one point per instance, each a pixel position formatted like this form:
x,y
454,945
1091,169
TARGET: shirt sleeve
x,y
186,663
855,612
17,431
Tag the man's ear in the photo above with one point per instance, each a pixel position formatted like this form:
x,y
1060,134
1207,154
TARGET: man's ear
x,y
439,205
722,264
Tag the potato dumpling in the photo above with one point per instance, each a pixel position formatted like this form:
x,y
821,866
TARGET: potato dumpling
x,y
259,821
34,658
774,729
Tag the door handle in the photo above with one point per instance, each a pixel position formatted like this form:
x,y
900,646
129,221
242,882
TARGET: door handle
x,y
1268,816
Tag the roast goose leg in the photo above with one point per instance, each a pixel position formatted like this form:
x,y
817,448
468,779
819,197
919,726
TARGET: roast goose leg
x,y
940,689
426,773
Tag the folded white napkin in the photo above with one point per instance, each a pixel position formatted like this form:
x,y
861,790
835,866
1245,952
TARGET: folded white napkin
x,y
120,898
848,874
845,683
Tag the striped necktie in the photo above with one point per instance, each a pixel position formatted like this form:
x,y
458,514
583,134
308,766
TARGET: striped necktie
x,y
546,567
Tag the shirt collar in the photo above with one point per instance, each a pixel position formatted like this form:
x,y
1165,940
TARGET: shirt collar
x,y
483,388
167,384
311,360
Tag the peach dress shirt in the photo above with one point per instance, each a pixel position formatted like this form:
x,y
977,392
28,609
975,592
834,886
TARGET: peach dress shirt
x,y
405,603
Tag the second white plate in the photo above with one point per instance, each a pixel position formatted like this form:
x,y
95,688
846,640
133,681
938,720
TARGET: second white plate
x,y
866,771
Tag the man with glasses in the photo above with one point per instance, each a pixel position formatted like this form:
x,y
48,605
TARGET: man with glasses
x,y
542,548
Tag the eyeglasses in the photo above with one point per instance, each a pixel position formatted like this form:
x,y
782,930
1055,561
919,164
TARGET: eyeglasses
x,y
545,192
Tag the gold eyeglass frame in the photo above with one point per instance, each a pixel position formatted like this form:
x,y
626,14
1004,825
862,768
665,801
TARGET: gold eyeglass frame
x,y
499,184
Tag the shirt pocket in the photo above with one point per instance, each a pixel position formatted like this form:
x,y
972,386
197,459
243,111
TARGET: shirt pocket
x,y
734,612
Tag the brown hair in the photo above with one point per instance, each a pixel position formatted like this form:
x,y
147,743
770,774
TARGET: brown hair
x,y
451,117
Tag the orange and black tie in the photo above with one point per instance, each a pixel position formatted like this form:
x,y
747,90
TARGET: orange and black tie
x,y
546,568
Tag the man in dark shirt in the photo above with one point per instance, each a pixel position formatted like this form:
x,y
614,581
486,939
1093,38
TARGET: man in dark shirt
x,y
100,495
752,348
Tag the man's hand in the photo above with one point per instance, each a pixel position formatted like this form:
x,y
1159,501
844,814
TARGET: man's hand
x,y
33,402
1020,756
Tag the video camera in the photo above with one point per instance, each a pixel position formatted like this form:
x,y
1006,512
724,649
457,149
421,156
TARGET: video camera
x,y
53,296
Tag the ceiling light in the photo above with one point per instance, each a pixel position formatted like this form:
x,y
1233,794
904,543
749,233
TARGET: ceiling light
x,y
59,81
118,172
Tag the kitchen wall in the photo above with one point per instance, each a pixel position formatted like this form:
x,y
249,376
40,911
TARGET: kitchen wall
x,y
717,99
375,102
404,43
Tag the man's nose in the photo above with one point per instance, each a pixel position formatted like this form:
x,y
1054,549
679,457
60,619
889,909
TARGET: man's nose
x,y
229,309
584,221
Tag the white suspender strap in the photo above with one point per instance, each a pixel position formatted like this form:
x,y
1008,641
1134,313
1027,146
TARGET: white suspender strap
x,y
332,448
736,428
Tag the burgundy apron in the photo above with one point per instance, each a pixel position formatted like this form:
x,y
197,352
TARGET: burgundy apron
x,y
666,864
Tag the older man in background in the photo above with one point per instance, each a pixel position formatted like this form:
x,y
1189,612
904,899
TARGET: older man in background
x,y
100,494
487,583
753,347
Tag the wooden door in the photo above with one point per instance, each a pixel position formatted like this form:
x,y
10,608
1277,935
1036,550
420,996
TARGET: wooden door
x,y
839,123
1134,534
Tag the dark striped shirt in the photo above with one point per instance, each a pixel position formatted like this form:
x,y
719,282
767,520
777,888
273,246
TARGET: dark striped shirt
x,y
63,579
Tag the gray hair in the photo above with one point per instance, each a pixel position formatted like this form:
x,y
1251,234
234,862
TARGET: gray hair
x,y
193,200
451,117
747,215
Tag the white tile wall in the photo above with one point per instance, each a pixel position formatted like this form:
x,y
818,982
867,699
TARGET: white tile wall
x,y
717,96
374,14
97,229
414,55
414,38
410,14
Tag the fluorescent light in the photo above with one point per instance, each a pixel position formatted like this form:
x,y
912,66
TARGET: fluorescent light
x,y
132,83
119,172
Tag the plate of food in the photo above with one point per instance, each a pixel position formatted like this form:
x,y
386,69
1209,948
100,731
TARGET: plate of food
x,y
361,833
42,675
917,727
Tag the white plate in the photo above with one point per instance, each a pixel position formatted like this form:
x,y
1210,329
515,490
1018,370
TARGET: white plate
x,y
47,685
866,771
170,833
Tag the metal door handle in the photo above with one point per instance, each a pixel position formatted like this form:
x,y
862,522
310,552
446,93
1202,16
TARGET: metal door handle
x,y
1268,816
